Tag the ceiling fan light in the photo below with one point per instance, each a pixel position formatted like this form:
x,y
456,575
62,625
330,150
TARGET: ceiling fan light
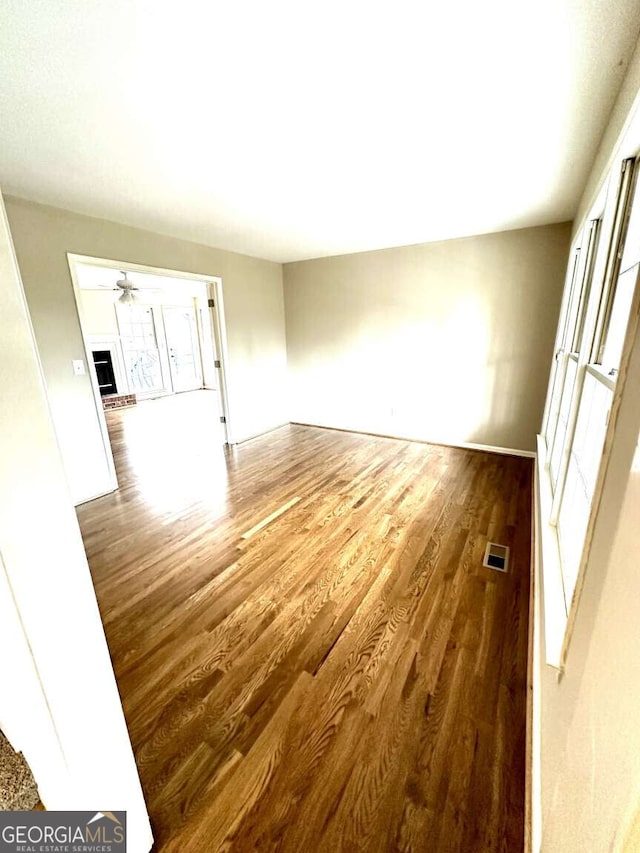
x,y
127,298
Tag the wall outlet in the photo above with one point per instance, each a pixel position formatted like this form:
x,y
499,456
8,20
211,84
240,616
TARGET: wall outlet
x,y
78,367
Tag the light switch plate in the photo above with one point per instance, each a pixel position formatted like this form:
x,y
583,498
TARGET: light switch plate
x,y
78,366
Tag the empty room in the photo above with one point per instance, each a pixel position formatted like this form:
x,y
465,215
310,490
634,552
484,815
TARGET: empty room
x,y
319,427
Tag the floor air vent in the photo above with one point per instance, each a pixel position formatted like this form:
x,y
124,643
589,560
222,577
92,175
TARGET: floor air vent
x,y
496,557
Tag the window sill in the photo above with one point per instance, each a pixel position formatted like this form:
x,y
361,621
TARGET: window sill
x,y
548,565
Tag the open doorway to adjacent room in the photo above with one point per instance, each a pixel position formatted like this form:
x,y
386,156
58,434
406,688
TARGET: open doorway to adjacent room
x,y
155,342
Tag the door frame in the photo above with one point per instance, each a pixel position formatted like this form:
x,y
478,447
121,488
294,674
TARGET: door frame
x,y
215,293
215,300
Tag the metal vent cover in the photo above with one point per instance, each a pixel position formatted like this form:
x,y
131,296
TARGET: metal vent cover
x,y
496,557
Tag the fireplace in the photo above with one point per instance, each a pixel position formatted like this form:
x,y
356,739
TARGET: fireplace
x,y
105,372
112,380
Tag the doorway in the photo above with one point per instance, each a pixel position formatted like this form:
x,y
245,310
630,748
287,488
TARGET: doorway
x,y
150,333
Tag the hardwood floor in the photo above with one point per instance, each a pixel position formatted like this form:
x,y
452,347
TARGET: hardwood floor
x,y
344,677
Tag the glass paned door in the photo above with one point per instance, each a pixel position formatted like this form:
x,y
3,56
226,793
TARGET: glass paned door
x,y
182,344
140,349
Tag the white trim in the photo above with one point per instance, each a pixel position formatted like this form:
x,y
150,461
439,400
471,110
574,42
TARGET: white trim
x,y
219,328
207,343
97,399
94,497
491,448
266,432
128,266
598,373
463,445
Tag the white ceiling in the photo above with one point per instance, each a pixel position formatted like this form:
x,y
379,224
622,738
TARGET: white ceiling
x,y
288,129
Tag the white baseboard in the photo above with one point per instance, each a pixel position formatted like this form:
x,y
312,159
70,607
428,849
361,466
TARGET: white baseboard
x,y
259,434
464,445
95,497
490,448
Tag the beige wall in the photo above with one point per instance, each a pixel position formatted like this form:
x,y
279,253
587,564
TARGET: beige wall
x,y
99,313
448,342
254,312
589,730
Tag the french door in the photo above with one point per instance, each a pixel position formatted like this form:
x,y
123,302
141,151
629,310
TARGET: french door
x,y
142,350
160,348
183,348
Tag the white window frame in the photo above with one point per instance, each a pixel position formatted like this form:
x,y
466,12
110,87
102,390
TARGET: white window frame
x,y
579,347
586,310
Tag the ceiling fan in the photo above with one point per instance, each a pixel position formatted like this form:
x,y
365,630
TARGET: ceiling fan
x,y
102,279
127,287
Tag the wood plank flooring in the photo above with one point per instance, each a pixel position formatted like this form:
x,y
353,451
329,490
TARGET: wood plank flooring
x,y
344,677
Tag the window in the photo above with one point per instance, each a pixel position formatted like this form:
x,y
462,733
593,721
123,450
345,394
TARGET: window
x,y
573,343
593,234
618,254
598,299
617,326
560,364
580,481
